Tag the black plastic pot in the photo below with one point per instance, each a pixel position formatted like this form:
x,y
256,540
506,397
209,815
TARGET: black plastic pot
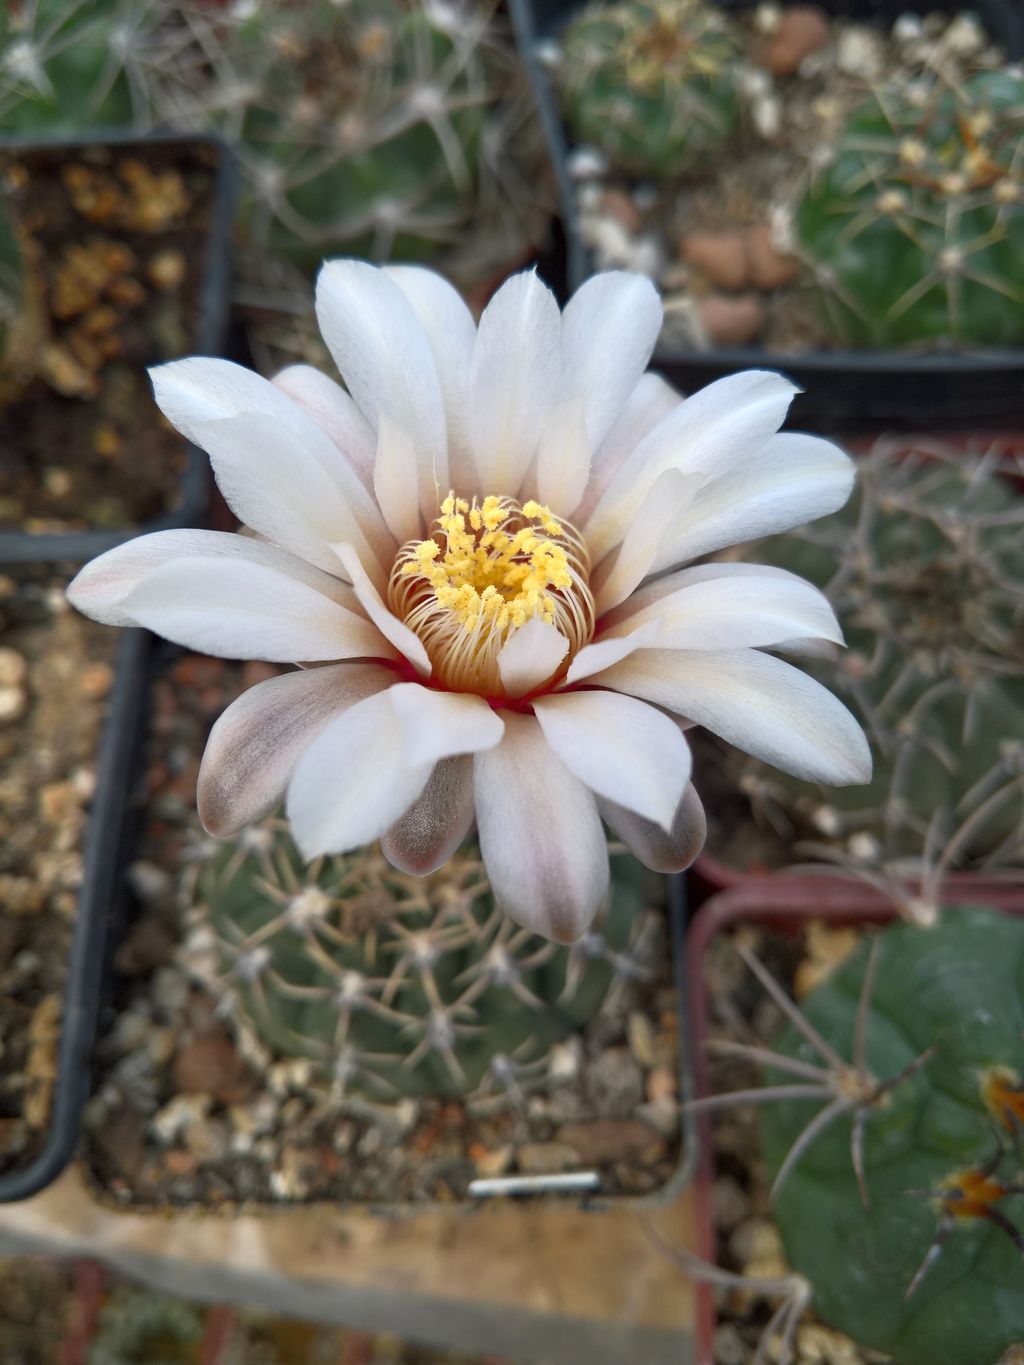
x,y
842,388
19,547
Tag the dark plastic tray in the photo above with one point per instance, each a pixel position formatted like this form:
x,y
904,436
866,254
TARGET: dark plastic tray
x,y
842,389
19,547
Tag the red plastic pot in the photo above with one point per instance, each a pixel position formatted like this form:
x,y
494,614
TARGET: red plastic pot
x,y
783,903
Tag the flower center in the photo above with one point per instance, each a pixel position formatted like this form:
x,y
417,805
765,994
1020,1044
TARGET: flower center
x,y
486,570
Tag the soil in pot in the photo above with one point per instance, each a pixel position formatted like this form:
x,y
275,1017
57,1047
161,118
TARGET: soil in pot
x,y
112,245
55,675
234,1070
708,187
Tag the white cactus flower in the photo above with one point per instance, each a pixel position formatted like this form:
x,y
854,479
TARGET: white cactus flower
x,y
480,547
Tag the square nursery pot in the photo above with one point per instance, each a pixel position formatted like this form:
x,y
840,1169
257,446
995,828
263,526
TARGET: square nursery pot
x,y
126,239
151,912
842,388
785,904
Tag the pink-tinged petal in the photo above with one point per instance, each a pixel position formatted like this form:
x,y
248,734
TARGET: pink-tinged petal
x,y
673,851
353,782
434,826
102,585
199,390
540,834
671,495
563,459
395,482
241,610
530,656
255,745
385,358
514,381
721,426
621,748
609,328
451,332
397,632
438,725
651,400
792,479
273,484
335,412
757,702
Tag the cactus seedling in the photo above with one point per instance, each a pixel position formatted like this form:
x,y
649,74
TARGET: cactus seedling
x,y
651,82
915,226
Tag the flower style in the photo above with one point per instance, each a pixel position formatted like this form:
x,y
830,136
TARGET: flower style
x,y
475,553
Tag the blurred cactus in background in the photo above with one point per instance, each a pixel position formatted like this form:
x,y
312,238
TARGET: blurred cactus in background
x,y
925,568
914,226
393,985
651,83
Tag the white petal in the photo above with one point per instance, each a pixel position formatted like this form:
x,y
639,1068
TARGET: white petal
x,y
714,429
437,725
540,834
199,390
514,381
670,496
607,652
563,459
335,412
274,484
434,826
621,748
609,328
757,702
353,782
395,481
451,332
399,634
792,479
530,656
659,588
385,359
239,610
255,745
651,400
102,585
661,852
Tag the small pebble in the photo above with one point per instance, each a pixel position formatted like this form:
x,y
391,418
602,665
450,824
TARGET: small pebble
x,y
720,256
13,704
13,667
731,321
769,268
801,30
545,1158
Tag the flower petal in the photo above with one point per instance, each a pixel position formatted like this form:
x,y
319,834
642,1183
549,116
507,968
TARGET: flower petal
x,y
102,585
434,826
792,479
540,834
530,656
623,749
713,430
395,481
354,782
437,725
397,632
514,380
451,332
386,361
241,610
609,328
670,496
563,459
651,400
660,851
335,412
757,702
607,652
255,745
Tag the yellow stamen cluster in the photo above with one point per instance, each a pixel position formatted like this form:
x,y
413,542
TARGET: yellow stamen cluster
x,y
490,567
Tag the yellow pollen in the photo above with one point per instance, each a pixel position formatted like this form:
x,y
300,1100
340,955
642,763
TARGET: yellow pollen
x,y
488,568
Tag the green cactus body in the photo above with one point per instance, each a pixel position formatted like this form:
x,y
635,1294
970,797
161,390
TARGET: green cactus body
x,y
64,67
957,987
651,82
915,227
924,568
394,985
